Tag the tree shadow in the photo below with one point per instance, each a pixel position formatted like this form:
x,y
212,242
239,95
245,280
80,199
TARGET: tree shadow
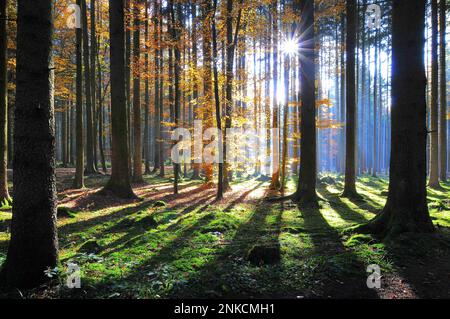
x,y
343,274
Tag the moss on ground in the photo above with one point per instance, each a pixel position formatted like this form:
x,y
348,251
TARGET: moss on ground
x,y
144,250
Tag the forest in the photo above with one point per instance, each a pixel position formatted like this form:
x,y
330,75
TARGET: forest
x,y
222,149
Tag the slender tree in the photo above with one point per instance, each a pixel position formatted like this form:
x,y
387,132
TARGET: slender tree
x,y
350,157
119,182
443,91
33,247
434,110
137,131
79,175
90,167
406,209
5,199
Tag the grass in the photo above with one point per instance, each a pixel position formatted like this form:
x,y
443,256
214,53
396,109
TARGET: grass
x,y
199,248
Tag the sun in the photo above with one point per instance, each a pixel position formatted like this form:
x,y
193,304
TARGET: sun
x,y
290,46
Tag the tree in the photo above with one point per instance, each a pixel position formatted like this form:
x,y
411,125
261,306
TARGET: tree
x,y
275,181
306,189
434,112
207,79
443,92
350,153
147,95
231,43
5,199
79,174
90,167
119,183
137,131
33,247
406,209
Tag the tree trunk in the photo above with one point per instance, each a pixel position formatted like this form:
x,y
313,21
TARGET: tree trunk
x,y
119,183
5,199
33,247
147,97
137,131
93,83
306,190
443,92
434,112
90,168
406,209
79,171
207,80
350,154
275,181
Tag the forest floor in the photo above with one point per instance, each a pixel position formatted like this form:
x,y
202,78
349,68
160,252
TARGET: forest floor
x,y
188,245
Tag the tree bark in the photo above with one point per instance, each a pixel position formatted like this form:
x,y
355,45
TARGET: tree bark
x,y
5,199
79,171
137,131
434,110
33,247
350,153
90,168
443,92
306,189
119,184
406,209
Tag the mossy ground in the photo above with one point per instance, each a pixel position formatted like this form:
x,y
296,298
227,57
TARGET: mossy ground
x,y
196,247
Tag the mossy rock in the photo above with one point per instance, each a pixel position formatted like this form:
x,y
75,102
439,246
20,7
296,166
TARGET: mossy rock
x,y
90,246
327,180
160,203
64,212
264,255
147,222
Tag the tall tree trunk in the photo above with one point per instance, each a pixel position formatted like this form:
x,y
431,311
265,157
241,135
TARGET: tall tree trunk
x,y
195,166
119,183
434,110
90,168
406,209
156,122
350,154
231,48
275,182
443,92
93,82
219,195
147,96
207,80
5,199
79,170
33,247
137,131
306,190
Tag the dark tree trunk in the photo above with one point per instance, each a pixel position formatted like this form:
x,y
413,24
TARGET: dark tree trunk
x,y
79,171
147,97
207,80
306,190
406,209
119,183
93,82
137,131
90,168
434,110
4,194
350,153
34,244
443,92
156,122
219,195
195,166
